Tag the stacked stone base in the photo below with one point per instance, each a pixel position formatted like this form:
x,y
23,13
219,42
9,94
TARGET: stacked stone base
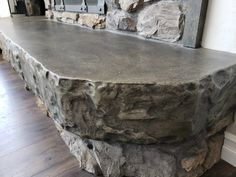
x,y
188,159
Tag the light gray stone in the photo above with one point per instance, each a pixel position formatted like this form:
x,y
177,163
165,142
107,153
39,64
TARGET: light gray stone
x,y
163,20
130,5
118,160
49,14
112,4
120,20
135,113
92,20
80,150
215,144
70,15
57,15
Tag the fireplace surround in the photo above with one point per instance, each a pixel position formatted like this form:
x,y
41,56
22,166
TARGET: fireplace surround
x,y
175,21
85,6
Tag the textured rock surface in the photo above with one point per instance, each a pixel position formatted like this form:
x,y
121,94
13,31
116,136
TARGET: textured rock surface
x,y
189,159
92,20
70,15
163,20
143,113
116,160
47,4
112,4
108,125
179,21
120,20
49,14
130,5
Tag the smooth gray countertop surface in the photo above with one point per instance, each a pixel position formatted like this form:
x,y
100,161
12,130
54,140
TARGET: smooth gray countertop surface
x,y
98,55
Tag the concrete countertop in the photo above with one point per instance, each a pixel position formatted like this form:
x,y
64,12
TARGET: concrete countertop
x,y
72,51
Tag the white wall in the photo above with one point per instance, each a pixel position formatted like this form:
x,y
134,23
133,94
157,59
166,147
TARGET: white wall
x,y
220,27
4,9
12,4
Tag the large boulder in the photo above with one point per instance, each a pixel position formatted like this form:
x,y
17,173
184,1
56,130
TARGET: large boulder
x,y
116,160
130,5
120,20
163,20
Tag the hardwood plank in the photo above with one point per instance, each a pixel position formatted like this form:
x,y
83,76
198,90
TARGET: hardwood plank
x,y
30,145
221,169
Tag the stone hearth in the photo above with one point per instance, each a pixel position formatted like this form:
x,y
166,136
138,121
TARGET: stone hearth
x,y
126,107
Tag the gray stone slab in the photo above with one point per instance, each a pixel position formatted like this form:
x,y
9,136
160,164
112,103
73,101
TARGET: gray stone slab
x,y
109,87
75,52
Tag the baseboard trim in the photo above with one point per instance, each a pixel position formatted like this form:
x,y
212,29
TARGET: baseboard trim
x,y
229,149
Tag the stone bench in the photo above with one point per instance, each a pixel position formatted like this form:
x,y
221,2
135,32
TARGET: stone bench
x,y
126,106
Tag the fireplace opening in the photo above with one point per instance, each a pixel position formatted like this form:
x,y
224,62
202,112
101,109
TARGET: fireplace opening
x,y
27,7
35,7
85,6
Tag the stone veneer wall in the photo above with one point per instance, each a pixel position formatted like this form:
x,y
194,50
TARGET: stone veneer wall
x,y
179,21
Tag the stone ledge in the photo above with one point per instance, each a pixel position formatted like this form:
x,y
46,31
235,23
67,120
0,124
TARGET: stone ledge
x,y
174,127
135,112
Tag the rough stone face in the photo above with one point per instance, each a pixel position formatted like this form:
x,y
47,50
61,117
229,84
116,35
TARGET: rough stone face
x,y
80,149
70,15
130,5
117,160
135,113
89,20
112,4
214,150
57,15
219,125
191,163
170,20
66,17
49,14
163,20
99,120
187,159
92,20
120,20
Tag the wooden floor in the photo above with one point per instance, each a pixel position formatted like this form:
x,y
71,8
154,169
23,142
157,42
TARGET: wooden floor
x,y
29,143
222,169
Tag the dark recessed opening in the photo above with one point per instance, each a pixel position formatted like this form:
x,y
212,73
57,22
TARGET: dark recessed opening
x,y
90,146
35,8
42,7
29,8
